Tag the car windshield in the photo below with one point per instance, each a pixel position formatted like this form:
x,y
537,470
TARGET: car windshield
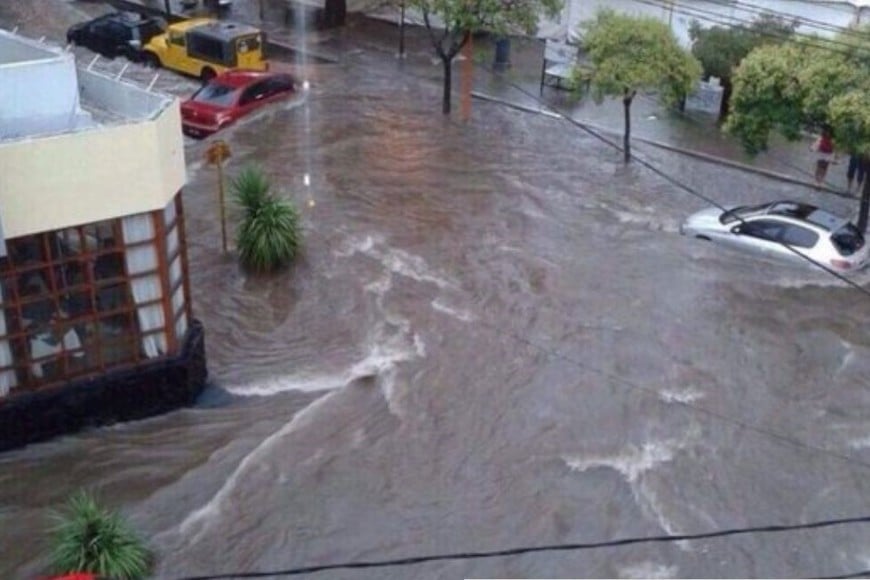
x,y
847,240
739,213
216,94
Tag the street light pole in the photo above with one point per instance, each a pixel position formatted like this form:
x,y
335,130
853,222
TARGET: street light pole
x,y
402,30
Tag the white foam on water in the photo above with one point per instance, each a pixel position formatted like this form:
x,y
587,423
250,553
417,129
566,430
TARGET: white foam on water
x,y
848,357
351,246
200,520
647,570
456,313
394,260
689,395
860,443
631,462
651,221
281,384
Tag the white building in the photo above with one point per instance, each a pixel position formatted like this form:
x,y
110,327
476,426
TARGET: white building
x,y
95,316
822,18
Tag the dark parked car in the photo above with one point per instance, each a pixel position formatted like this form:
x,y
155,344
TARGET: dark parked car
x,y
116,34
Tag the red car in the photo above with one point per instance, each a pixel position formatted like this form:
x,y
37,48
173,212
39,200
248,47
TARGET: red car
x,y
232,95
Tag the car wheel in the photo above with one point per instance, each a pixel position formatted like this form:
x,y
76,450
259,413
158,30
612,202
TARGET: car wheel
x,y
151,60
702,237
207,74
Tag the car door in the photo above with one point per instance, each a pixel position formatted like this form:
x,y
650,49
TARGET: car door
x,y
97,37
117,38
254,96
760,235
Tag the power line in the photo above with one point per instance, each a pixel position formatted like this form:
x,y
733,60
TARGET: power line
x,y
758,10
357,565
826,44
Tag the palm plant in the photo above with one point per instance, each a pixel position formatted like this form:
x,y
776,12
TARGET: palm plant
x,y
88,538
270,233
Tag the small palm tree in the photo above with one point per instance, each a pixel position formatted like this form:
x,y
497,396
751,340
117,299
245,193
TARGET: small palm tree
x,y
88,538
270,233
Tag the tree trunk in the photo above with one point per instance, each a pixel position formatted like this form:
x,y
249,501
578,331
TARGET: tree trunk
x,y
334,13
865,205
725,107
626,139
445,107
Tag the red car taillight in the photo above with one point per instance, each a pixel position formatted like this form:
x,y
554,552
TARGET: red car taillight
x,y
841,264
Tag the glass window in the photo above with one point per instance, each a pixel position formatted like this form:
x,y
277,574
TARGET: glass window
x,y
216,94
763,229
798,236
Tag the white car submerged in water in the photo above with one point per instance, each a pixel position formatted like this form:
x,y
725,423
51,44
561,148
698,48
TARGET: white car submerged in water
x,y
782,228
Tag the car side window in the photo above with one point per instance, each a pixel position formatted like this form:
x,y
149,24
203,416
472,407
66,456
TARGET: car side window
x,y
118,31
763,229
253,93
176,38
798,236
280,84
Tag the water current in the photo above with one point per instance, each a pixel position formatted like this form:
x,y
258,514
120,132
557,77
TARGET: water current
x,y
495,337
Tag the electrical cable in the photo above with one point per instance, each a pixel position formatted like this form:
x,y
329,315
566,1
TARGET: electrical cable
x,y
758,10
670,538
826,44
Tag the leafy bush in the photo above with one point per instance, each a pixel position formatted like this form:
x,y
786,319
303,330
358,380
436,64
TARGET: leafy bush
x,y
270,233
88,538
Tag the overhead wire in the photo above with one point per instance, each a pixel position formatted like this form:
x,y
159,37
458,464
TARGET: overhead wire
x,y
826,44
564,547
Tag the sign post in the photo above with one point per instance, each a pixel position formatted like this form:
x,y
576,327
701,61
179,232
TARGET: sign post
x,y
216,154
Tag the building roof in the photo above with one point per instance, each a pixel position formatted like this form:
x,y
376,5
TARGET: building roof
x,y
69,98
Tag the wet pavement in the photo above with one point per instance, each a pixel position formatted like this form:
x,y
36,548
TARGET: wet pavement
x,y
495,338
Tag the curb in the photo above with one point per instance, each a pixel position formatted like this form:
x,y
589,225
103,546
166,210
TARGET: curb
x,y
666,146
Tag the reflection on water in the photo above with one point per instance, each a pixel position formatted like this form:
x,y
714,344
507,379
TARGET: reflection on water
x,y
495,337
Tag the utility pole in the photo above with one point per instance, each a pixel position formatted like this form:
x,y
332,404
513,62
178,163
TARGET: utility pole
x,y
402,30
216,154
466,80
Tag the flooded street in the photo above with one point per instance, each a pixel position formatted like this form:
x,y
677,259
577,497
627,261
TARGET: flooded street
x,y
496,337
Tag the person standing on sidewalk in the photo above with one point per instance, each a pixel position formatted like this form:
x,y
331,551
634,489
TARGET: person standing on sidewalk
x,y
824,148
857,171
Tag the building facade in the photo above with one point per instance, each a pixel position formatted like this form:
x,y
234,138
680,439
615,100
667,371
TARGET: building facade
x,y
96,323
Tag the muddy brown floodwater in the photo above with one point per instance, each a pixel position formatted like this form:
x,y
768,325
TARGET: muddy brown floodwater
x,y
495,337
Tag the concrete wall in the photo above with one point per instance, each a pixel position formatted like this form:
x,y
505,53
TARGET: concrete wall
x,y
53,80
91,175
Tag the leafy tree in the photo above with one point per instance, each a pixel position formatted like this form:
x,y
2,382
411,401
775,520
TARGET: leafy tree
x,y
88,538
806,84
270,233
631,54
462,18
720,49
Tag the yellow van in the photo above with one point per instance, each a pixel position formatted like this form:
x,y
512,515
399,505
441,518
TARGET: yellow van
x,y
204,47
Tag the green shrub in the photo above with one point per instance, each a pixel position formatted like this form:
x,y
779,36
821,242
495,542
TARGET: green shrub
x,y
88,538
270,233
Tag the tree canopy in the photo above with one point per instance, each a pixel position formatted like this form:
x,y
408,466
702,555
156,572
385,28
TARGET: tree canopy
x,y
809,83
720,49
462,18
630,54
804,84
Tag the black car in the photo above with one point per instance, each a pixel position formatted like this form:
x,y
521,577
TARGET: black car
x,y
116,34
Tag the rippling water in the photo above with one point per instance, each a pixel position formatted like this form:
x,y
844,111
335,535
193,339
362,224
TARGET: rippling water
x,y
495,337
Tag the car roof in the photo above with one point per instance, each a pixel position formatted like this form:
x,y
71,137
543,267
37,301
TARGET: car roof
x,y
224,30
241,78
805,213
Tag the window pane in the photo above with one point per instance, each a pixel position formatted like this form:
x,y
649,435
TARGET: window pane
x,y
181,327
169,214
172,242
178,300
175,271
109,266
112,297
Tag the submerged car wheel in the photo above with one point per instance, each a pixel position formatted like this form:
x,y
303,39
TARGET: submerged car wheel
x,y
151,60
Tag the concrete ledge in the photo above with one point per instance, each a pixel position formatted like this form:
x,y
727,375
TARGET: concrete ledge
x,y
147,390
696,154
